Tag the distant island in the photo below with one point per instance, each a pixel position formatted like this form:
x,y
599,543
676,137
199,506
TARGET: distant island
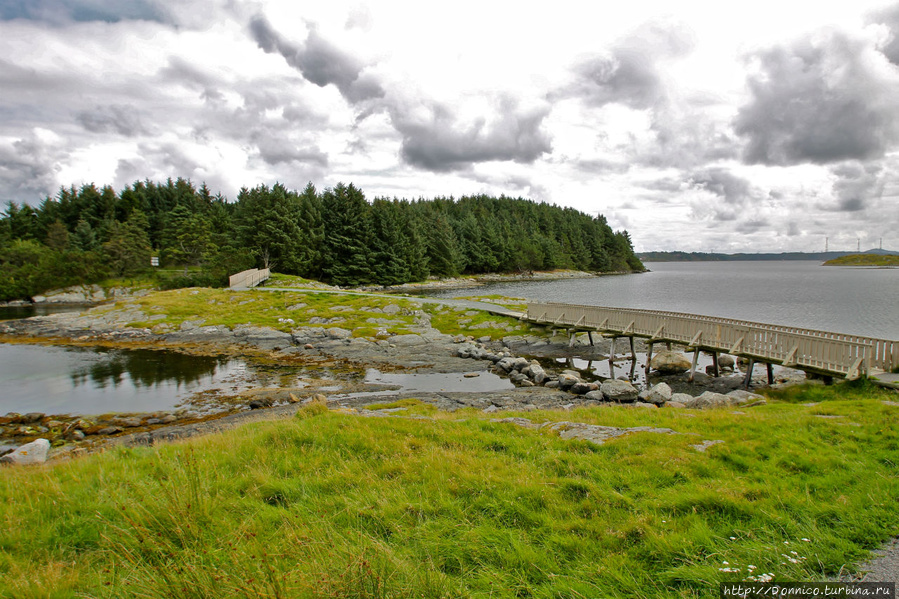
x,y
883,260
713,257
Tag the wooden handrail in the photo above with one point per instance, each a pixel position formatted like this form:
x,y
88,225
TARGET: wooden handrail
x,y
825,351
248,278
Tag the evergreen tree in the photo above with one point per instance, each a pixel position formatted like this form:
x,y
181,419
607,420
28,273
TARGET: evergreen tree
x,y
83,237
128,249
312,231
267,223
444,257
390,244
188,238
346,258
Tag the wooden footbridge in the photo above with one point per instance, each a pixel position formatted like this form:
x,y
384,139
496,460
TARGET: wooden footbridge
x,y
248,278
821,352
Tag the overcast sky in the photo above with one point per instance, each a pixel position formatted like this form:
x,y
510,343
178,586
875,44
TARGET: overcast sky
x,y
698,126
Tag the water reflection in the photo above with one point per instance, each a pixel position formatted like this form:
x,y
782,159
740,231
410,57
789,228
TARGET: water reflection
x,y
16,312
59,380
145,369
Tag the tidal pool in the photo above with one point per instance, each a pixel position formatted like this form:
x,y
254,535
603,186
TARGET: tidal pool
x,y
75,380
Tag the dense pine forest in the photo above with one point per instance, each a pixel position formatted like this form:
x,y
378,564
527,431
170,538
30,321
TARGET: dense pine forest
x,y
89,235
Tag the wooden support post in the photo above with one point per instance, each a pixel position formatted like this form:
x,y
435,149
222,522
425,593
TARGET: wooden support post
x,y
748,378
770,369
695,360
668,345
649,356
715,370
633,351
612,353
590,335
572,334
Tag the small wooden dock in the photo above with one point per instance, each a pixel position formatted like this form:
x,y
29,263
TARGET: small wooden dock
x,y
821,352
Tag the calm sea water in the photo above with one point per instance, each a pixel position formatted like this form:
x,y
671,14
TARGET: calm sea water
x,y
65,380
860,301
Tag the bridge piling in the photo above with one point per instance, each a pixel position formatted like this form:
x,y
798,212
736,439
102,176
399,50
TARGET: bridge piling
x,y
748,380
827,353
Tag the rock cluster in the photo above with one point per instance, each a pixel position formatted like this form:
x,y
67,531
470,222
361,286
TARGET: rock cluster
x,y
525,373
23,427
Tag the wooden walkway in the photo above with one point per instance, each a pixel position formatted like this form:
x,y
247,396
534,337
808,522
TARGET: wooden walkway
x,y
822,352
248,278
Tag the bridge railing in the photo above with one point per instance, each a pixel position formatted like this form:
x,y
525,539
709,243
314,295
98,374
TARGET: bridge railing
x,y
820,350
249,278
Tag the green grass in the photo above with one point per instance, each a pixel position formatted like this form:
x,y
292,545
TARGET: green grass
x,y
464,321
864,260
222,307
513,303
335,505
281,280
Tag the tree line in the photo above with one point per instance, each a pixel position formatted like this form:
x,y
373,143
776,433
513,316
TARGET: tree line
x,y
335,235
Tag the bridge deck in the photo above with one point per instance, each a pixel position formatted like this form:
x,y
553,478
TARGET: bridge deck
x,y
806,349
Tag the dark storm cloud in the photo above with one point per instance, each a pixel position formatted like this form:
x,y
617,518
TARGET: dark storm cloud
x,y
667,184
28,169
64,11
629,73
890,18
319,61
686,137
440,142
753,225
179,70
735,193
824,99
856,185
116,118
275,150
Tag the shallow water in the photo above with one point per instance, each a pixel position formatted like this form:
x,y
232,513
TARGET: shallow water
x,y
67,380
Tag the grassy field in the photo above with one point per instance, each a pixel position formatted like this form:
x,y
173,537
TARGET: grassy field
x,y
864,260
331,504
286,310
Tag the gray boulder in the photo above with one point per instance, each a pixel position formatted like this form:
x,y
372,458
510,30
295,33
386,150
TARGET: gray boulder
x,y
538,375
566,381
520,364
710,399
659,394
506,364
620,391
595,395
407,340
30,453
741,397
670,362
583,388
726,362
681,398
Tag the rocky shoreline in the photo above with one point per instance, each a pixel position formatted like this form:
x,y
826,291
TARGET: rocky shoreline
x,y
528,361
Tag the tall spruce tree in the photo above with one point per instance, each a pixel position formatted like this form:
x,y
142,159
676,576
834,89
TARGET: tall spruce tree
x,y
390,243
346,258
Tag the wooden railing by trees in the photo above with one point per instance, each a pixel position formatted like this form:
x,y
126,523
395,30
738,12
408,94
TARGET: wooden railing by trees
x,y
828,353
248,278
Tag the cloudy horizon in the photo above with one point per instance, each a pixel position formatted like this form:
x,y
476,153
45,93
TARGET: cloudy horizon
x,y
769,127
